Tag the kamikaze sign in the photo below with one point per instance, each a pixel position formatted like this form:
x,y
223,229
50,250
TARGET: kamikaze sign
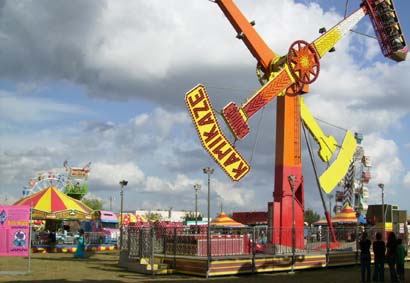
x,y
211,136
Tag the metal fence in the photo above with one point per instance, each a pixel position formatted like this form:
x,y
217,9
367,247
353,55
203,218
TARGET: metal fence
x,y
52,239
250,242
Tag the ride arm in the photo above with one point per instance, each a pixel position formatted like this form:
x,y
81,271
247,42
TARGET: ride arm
x,y
236,118
339,167
328,40
256,45
291,72
327,144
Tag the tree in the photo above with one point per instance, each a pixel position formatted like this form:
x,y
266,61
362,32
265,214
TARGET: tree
x,y
190,216
95,204
311,216
153,217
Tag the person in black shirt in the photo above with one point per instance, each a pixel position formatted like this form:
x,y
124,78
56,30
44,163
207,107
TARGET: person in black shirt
x,y
365,245
391,256
400,259
379,249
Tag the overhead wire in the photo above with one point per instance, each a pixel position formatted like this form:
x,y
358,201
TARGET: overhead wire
x,y
330,124
364,34
314,166
346,6
257,136
258,125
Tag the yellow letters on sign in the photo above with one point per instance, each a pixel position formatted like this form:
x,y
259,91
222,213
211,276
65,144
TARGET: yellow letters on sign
x,y
211,136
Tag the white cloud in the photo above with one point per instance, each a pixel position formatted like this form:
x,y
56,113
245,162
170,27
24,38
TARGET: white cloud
x,y
232,196
22,109
406,180
115,55
112,174
385,159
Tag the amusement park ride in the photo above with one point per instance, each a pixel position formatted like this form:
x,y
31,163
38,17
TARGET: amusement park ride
x,y
287,77
355,192
73,181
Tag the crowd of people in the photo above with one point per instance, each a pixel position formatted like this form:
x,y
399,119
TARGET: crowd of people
x,y
393,253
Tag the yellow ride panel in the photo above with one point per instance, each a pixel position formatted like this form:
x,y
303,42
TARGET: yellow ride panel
x,y
338,169
324,43
327,143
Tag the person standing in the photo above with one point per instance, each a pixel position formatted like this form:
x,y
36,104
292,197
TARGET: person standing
x,y
379,250
391,255
80,252
401,255
365,245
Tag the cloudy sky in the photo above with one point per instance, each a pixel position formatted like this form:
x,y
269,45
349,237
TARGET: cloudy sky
x,y
104,82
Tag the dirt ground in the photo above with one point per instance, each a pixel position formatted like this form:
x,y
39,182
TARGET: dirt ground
x,y
102,267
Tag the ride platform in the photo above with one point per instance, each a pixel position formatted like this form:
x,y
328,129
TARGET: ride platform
x,y
235,265
71,248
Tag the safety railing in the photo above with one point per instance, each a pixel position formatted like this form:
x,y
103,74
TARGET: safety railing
x,y
245,242
52,239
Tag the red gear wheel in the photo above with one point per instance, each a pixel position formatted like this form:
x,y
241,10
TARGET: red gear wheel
x,y
303,62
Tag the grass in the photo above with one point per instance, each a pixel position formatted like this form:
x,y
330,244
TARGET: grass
x,y
102,267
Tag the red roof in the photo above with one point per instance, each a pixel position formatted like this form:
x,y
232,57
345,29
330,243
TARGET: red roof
x,y
251,218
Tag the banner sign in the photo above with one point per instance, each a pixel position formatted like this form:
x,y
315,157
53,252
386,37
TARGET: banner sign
x,y
14,230
212,138
79,172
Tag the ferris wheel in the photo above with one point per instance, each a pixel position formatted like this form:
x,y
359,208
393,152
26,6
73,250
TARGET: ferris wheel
x,y
70,180
44,180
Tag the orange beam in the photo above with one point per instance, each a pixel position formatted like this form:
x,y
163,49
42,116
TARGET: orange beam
x,y
256,45
288,147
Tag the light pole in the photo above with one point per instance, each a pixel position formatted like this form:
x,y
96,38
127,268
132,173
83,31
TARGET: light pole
x,y
209,171
291,179
197,187
123,183
381,186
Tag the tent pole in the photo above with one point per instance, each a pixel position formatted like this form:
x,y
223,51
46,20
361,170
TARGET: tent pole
x,y
29,241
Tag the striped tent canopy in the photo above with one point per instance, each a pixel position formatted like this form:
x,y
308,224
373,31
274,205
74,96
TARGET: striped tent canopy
x,y
50,203
224,220
130,218
346,216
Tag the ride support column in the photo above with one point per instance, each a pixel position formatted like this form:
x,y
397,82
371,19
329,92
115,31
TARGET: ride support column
x,y
288,162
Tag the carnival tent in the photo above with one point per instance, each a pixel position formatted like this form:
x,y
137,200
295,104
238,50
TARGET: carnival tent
x,y
346,216
51,203
130,218
224,220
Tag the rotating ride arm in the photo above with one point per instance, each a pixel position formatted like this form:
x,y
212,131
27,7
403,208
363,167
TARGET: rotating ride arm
x,y
327,144
302,66
259,49
299,68
339,167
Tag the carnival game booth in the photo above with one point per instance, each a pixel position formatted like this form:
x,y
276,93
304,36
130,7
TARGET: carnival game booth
x,y
55,208
103,228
